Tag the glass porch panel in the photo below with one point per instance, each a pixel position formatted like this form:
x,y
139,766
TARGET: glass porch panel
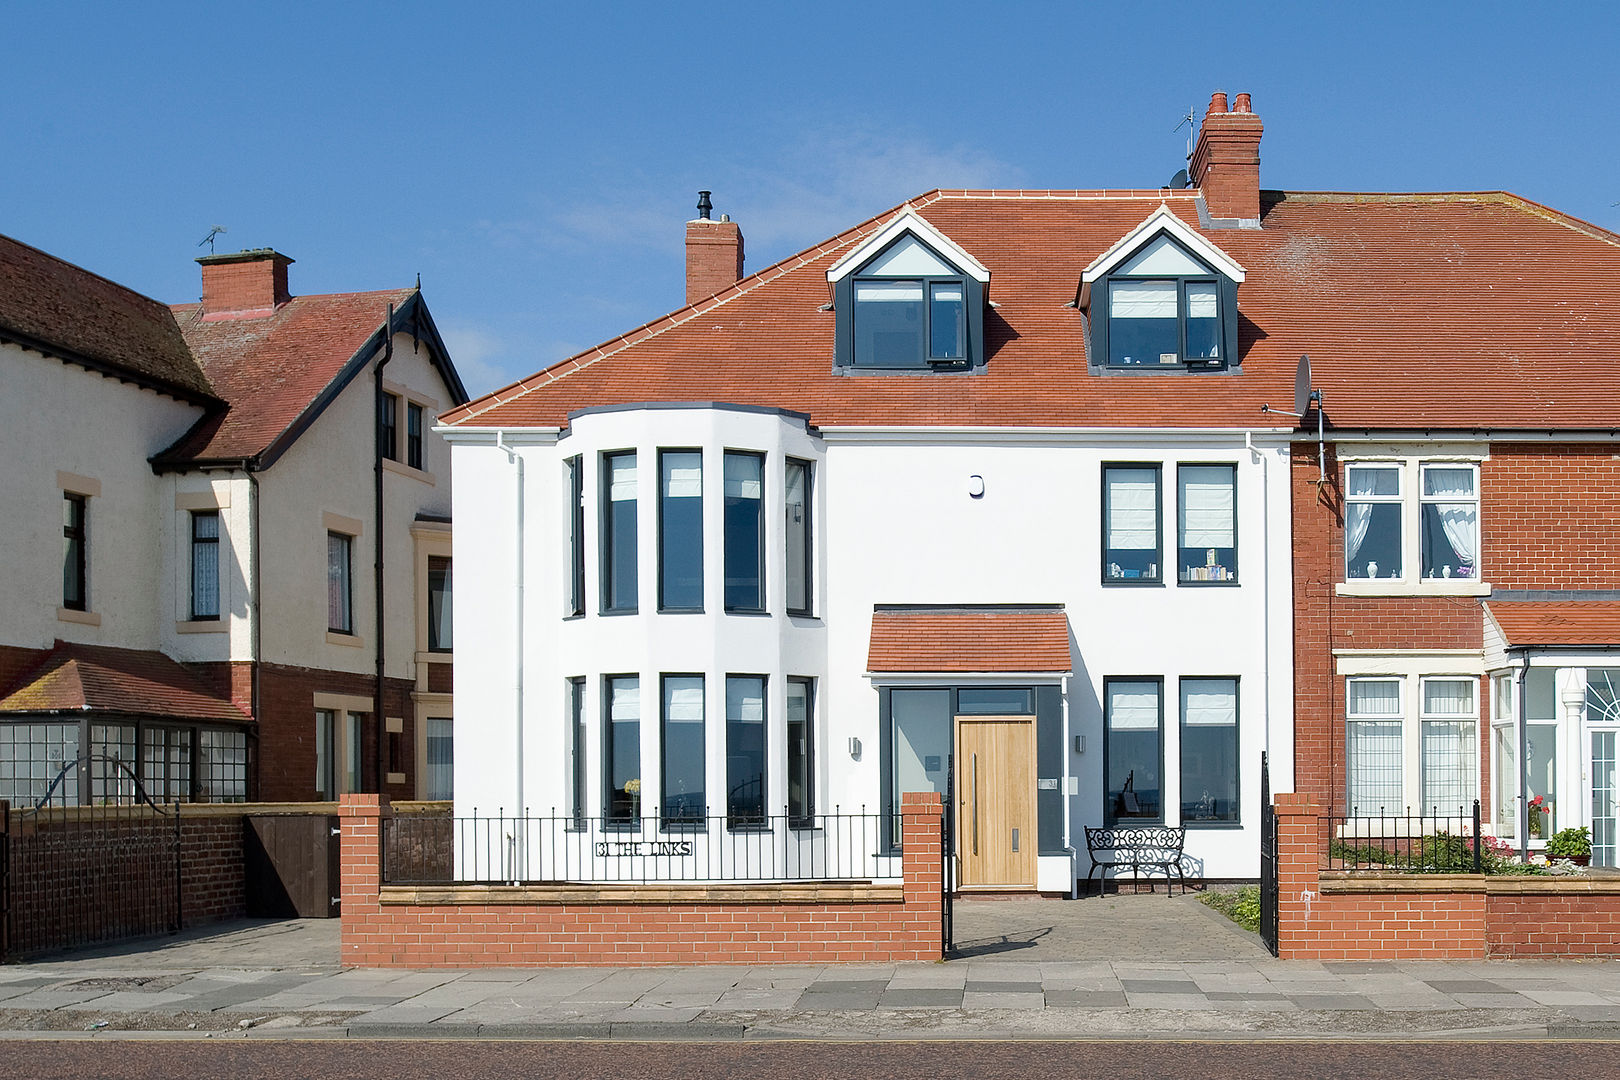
x,y
1604,782
1505,780
1542,759
922,744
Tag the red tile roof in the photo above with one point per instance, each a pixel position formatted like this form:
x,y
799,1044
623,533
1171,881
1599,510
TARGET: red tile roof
x,y
1557,622
969,639
96,678
272,369
1442,310
52,305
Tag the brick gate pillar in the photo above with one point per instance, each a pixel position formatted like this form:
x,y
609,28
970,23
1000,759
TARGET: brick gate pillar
x,y
360,873
921,813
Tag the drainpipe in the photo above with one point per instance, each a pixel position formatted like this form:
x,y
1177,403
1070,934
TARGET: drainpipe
x,y
513,458
255,625
377,411
1265,583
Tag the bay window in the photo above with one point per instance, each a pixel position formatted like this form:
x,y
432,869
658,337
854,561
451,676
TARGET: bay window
x,y
683,744
1374,757
621,749
745,750
800,554
801,773
1450,745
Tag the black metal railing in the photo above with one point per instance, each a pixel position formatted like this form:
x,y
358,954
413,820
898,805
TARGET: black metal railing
x,y
561,847
1429,842
1268,859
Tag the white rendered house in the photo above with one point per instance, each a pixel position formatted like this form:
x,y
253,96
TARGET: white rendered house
x,y
976,497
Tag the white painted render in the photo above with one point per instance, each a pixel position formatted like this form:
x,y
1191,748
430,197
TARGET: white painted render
x,y
894,524
59,418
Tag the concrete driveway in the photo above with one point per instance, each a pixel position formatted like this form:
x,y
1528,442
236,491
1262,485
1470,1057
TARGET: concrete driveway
x,y
1144,927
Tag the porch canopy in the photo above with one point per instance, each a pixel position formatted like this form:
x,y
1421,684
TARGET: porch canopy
x,y
1557,623
982,639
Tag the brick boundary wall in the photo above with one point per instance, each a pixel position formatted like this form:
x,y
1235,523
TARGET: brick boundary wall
x,y
746,923
1369,916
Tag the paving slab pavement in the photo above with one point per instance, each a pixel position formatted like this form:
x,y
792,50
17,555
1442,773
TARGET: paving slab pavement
x,y
270,980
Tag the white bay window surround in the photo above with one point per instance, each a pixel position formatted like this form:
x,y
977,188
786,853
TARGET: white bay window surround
x,y
1412,526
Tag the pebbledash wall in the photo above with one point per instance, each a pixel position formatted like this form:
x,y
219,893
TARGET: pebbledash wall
x,y
630,925
1368,916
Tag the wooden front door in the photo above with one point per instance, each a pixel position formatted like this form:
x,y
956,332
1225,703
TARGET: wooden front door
x,y
995,801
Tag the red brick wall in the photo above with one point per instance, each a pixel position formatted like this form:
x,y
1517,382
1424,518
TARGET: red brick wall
x,y
638,934
1461,917
286,751
1546,517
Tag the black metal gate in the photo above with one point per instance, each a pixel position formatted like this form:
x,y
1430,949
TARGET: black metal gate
x,y
74,874
1268,859
5,880
947,858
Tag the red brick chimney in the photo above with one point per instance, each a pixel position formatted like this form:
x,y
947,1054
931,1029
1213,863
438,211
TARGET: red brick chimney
x,y
1226,161
714,253
245,285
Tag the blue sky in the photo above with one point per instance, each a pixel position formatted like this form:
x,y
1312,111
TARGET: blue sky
x,y
535,163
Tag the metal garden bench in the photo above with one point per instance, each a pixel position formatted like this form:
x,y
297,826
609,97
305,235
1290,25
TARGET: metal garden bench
x,y
1136,846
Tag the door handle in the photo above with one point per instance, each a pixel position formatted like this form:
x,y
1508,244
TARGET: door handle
x,y
975,771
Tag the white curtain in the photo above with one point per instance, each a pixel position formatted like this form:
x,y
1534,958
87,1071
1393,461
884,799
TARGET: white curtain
x,y
1142,299
1375,697
622,483
1448,697
1206,507
1459,520
1364,480
1209,703
1133,706
683,476
1133,509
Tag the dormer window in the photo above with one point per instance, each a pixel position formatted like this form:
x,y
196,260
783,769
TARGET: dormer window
x,y
1162,299
909,300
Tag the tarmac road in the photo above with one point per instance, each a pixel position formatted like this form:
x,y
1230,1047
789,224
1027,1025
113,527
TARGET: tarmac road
x,y
944,1060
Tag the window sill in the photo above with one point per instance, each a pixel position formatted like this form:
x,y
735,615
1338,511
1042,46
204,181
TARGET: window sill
x,y
1230,583
405,470
354,641
1132,583
201,626
1391,587
1202,826
83,618
435,657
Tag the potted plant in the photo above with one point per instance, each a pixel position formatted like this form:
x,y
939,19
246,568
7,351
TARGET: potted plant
x,y
1572,844
1540,808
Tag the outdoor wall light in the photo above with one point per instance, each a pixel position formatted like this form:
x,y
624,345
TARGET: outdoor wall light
x,y
1079,744
975,486
854,748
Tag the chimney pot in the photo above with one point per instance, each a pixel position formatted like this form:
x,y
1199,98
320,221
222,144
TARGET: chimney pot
x,y
1217,103
704,206
1242,104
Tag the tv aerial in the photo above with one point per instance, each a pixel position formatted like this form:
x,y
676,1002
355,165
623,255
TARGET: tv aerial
x,y
1304,398
209,239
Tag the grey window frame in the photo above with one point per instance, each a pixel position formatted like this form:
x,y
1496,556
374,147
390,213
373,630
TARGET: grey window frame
x,y
1157,580
576,537
803,816
76,550
577,734
971,328
1236,820
610,540
201,545
663,512
763,560
808,526
1226,314
745,821
1110,819
611,820
1181,510
685,822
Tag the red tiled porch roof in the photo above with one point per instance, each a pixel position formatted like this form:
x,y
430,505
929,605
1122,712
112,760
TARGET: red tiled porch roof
x,y
95,678
1557,622
960,639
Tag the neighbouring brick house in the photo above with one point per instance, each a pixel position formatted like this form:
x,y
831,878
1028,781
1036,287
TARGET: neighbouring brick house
x,y
227,536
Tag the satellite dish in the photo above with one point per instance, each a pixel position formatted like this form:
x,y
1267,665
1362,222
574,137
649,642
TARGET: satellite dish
x,y
1302,386
1179,180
